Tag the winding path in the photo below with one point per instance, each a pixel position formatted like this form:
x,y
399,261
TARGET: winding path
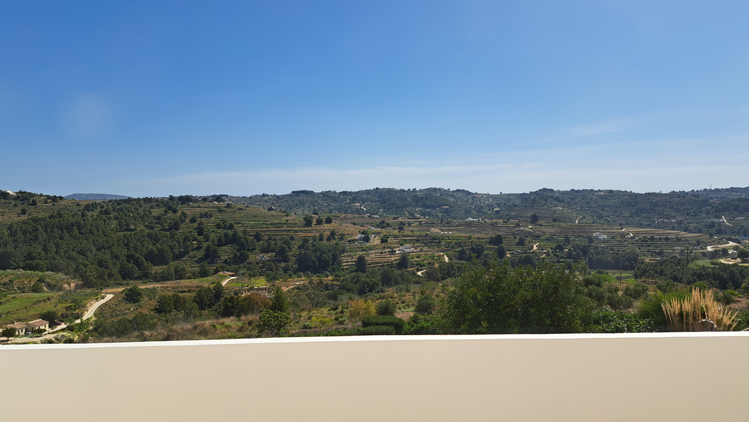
x,y
728,245
93,308
223,283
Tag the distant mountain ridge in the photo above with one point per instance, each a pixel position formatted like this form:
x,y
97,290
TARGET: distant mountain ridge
x,y
693,211
95,197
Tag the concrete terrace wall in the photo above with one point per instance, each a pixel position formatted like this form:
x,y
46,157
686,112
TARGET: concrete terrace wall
x,y
672,377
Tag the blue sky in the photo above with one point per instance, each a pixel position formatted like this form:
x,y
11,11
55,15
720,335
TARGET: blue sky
x,y
148,98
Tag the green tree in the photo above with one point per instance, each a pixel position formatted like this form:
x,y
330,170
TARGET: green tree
x,y
496,240
386,308
37,287
361,264
328,220
534,218
133,294
402,262
10,259
501,299
425,305
204,298
319,221
50,316
308,220
164,304
179,302
181,272
211,253
218,292
279,303
273,322
9,332
204,270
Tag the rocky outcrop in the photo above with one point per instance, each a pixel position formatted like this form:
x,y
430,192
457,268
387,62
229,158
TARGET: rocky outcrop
x,y
704,325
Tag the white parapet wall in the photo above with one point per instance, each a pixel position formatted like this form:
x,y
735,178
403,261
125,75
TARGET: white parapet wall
x,y
646,377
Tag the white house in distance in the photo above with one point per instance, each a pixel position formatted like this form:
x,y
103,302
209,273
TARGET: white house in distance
x,y
600,236
29,327
403,249
20,328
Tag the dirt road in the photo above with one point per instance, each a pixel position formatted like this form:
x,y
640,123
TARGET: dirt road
x,y
728,245
94,307
52,333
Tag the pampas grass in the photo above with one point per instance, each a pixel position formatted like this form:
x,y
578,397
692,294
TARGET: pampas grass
x,y
682,313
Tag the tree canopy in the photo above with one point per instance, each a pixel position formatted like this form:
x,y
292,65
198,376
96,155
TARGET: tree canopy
x,y
524,299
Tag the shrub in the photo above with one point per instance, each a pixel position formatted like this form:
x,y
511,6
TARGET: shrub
x,y
618,302
359,308
597,279
636,291
423,324
386,308
621,322
389,321
273,322
650,307
133,294
344,332
425,305
279,303
377,330
726,297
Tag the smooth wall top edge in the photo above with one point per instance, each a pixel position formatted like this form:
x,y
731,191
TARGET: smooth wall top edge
x,y
276,340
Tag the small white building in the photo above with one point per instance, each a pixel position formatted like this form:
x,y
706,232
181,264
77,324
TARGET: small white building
x,y
29,327
20,328
406,249
37,324
600,236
